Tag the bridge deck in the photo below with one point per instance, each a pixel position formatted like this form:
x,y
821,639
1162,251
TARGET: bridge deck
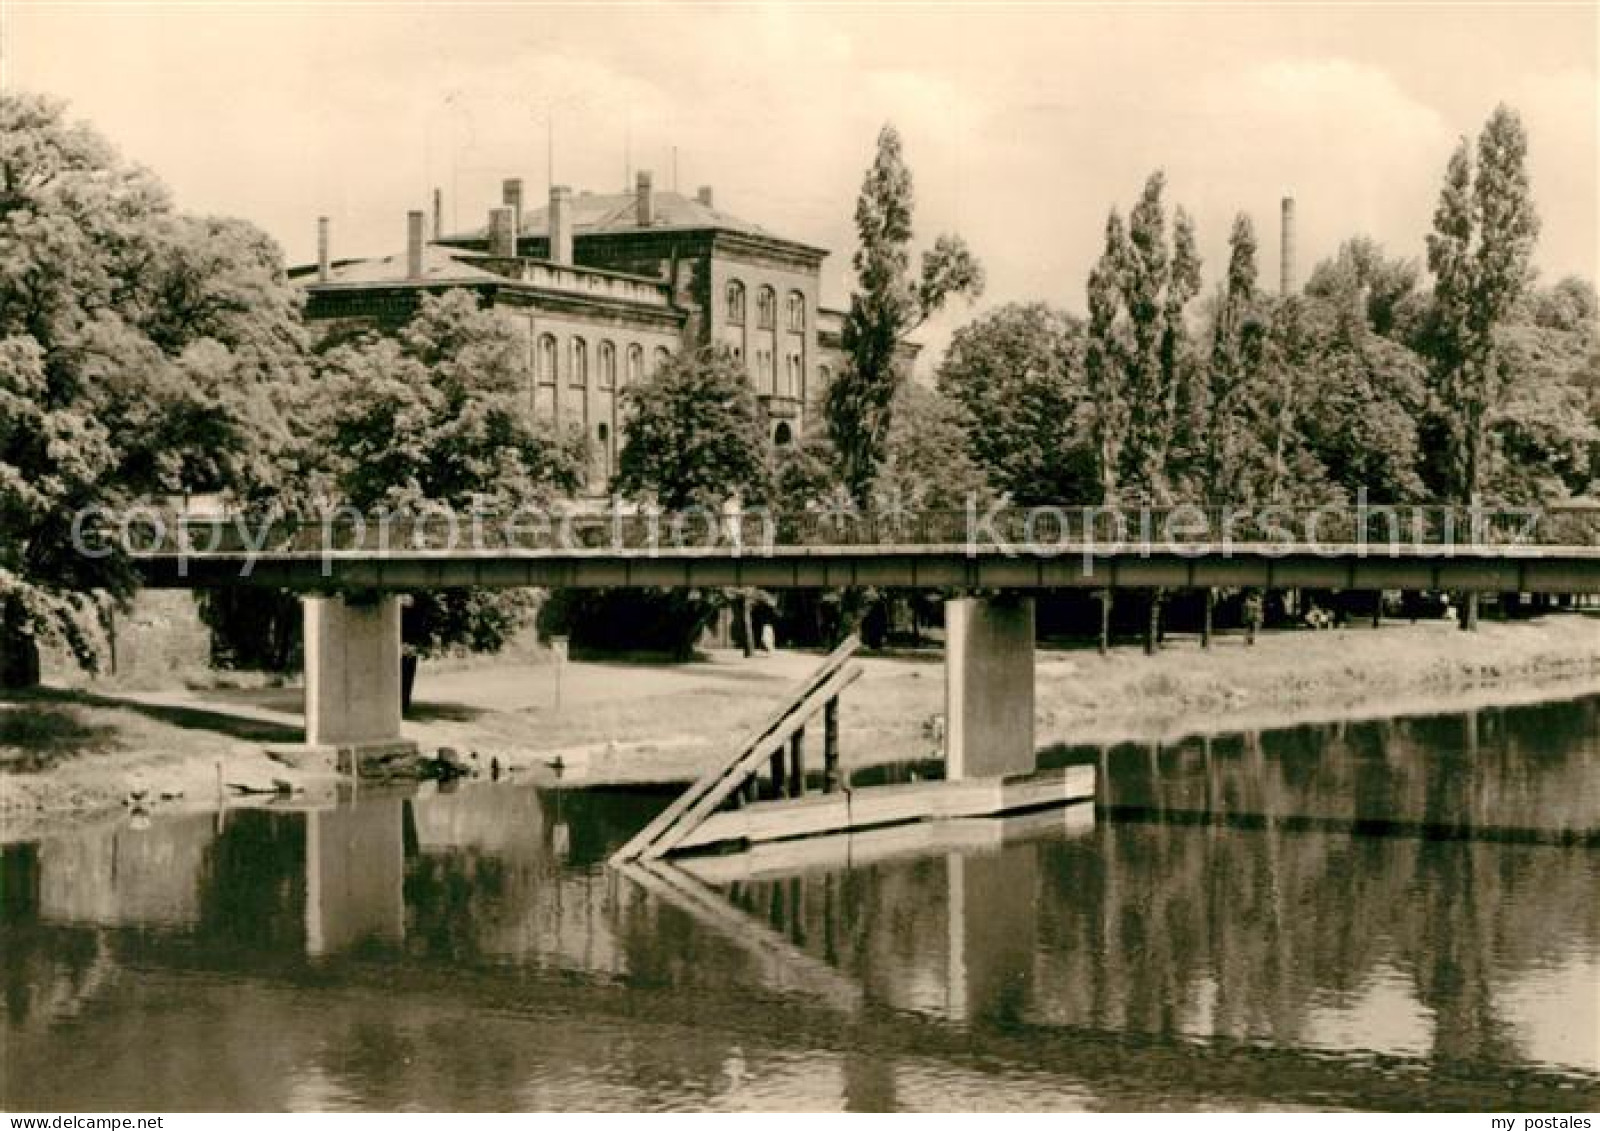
x,y
1485,568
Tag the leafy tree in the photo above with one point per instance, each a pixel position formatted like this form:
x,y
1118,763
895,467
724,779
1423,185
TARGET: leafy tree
x,y
1545,433
927,465
887,306
803,473
695,435
695,439
1018,372
432,419
1479,252
141,352
1364,395
1570,306
1385,289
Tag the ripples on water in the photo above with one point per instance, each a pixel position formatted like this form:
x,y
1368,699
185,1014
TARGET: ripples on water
x,y
1389,914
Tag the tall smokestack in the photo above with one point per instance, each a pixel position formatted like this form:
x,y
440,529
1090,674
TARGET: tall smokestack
x,y
561,225
503,232
1286,277
645,199
438,215
511,197
414,245
322,249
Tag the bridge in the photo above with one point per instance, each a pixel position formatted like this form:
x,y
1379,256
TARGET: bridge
x,y
352,567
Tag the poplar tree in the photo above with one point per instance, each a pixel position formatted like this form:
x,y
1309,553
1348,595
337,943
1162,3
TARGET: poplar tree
x,y
1236,354
1479,251
1105,356
1138,293
1136,354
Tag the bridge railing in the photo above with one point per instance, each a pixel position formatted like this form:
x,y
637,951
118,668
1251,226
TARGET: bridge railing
x,y
1043,529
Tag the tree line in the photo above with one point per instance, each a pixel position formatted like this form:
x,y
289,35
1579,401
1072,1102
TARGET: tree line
x,y
145,353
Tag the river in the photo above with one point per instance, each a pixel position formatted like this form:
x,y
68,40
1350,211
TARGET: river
x,y
1387,914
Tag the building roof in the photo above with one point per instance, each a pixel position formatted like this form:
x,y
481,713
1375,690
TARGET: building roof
x,y
454,267
439,265
595,212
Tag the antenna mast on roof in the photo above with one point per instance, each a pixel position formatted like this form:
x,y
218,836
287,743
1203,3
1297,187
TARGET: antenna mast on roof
x,y
627,151
549,151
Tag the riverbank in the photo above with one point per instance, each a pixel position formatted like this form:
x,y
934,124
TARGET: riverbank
x,y
68,754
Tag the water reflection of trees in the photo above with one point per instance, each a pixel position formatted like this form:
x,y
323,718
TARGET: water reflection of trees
x,y
1524,772
1236,905
1239,904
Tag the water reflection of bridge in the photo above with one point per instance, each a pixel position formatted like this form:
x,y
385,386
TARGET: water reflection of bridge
x,y
398,949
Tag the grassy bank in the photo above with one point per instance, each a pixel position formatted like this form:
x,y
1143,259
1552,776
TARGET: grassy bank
x,y
66,753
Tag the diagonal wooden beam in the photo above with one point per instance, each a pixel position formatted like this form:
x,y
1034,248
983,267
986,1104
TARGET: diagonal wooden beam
x,y
830,666
750,762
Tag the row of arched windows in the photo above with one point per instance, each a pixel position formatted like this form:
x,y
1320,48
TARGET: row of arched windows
x,y
547,363
766,307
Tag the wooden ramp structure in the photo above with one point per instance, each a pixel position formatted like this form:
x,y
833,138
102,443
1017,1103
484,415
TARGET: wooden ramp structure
x,y
733,806
785,967
882,805
777,744
886,844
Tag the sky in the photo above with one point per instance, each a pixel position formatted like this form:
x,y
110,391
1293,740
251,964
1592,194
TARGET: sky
x,y
1023,123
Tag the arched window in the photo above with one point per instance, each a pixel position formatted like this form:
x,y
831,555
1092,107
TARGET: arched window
x,y
763,371
766,308
580,364
544,362
735,302
608,365
661,357
796,314
635,371
782,434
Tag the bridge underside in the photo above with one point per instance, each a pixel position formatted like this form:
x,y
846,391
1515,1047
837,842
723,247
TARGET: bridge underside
x,y
353,638
353,697
1487,570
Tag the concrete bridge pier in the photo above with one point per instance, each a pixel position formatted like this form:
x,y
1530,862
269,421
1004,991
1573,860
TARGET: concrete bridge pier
x,y
988,686
352,656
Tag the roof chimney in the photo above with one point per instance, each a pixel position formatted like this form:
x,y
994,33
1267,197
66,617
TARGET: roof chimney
x,y
503,232
645,198
414,245
511,197
561,225
704,196
1286,279
322,249
438,215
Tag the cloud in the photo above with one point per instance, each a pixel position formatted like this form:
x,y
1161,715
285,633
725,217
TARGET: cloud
x,y
1559,109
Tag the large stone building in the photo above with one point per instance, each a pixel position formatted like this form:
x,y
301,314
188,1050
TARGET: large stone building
x,y
604,287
